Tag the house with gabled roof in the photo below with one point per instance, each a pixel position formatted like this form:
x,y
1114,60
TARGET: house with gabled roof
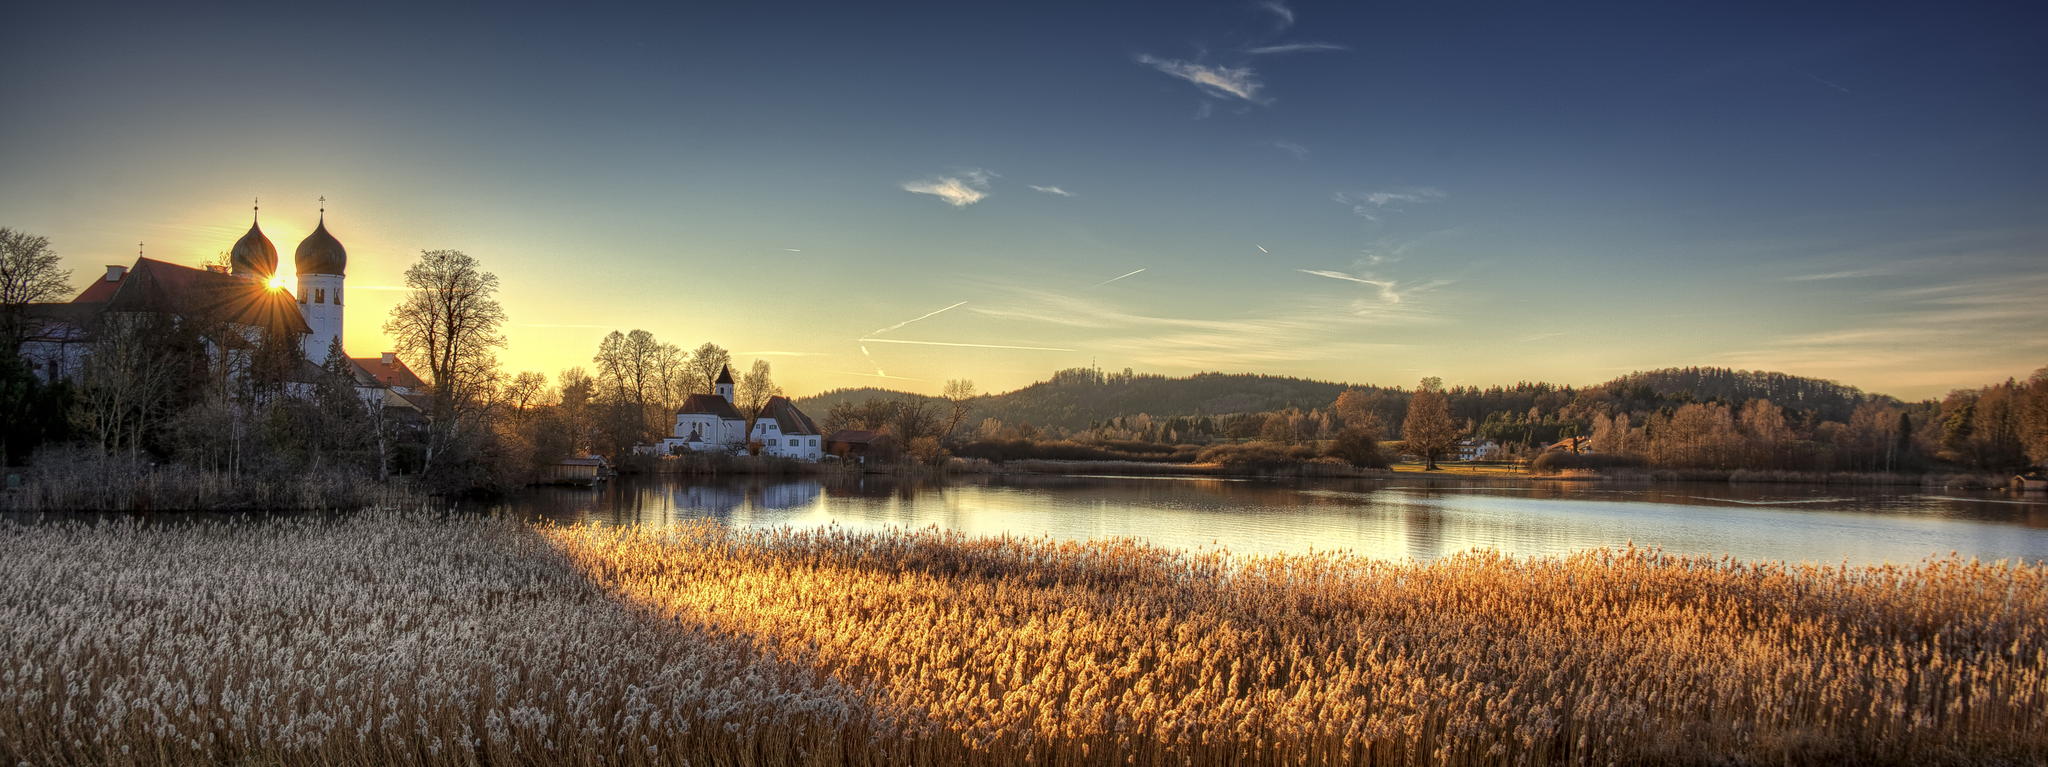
x,y
713,423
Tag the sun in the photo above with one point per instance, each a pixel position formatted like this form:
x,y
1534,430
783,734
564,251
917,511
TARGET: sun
x,y
277,283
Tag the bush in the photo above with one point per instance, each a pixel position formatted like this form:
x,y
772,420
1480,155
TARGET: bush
x,y
1358,447
1555,461
1258,456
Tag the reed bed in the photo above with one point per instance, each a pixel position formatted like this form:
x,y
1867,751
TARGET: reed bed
x,y
388,638
373,639
1033,650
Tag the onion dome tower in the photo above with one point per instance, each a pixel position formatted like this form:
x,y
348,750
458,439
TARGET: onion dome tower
x,y
253,257
321,263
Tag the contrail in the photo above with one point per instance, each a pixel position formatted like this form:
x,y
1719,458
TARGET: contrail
x,y
1114,279
1262,249
919,317
1386,286
971,346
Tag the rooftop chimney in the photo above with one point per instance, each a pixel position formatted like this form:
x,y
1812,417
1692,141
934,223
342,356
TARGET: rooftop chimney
x,y
115,272
391,358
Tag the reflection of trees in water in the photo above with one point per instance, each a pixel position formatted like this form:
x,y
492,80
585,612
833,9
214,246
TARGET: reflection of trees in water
x,y
1404,516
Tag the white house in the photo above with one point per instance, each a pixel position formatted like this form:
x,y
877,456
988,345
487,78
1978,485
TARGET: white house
x,y
1477,449
710,423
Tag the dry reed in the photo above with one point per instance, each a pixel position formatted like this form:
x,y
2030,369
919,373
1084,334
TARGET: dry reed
x,y
415,639
1115,651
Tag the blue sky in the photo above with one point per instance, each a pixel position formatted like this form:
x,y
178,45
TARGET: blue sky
x,y
1362,192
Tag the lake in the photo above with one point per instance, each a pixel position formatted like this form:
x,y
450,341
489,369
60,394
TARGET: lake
x,y
1420,518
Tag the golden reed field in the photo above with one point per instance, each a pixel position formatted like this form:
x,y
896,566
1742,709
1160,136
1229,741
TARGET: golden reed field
x,y
394,638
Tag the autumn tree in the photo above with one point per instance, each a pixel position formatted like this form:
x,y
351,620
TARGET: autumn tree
x,y
1428,431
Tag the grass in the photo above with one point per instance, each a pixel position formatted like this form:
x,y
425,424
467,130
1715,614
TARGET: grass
x,y
407,638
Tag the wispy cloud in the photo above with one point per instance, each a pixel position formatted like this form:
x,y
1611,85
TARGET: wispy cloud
x,y
1387,287
967,188
793,250
1267,50
1367,205
1301,328
554,324
1300,152
1826,82
1280,11
877,374
1235,82
964,345
1923,339
1845,274
1118,277
1051,190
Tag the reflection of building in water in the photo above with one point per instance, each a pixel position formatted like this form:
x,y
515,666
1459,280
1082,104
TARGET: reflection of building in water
x,y
788,495
716,499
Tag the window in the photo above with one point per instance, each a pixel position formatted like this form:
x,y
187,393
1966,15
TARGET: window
x,y
319,295
792,442
302,296
337,296
814,442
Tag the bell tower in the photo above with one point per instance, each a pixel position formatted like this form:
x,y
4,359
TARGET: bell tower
x,y
322,265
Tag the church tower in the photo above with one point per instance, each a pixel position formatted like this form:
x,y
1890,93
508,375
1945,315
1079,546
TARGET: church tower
x,y
322,263
725,382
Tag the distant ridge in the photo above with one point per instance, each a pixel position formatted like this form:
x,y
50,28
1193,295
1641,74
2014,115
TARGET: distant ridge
x,y
1075,398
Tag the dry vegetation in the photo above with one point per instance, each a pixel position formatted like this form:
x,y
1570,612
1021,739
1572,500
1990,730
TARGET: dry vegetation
x,y
405,638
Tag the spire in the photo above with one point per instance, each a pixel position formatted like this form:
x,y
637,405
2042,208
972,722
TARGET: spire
x,y
323,209
256,210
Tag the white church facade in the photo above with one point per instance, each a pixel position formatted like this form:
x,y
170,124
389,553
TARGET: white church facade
x,y
712,423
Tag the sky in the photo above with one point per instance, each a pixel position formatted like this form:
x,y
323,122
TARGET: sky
x,y
871,194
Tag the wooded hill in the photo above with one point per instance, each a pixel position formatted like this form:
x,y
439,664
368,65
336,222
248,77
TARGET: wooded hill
x,y
1078,398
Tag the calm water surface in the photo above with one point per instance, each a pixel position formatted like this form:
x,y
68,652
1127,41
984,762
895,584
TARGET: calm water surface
x,y
1421,518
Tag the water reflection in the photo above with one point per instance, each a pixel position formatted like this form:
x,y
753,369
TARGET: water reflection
x,y
1422,518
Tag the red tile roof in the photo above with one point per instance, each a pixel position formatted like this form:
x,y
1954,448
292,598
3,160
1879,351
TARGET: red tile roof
x,y
99,291
788,418
395,374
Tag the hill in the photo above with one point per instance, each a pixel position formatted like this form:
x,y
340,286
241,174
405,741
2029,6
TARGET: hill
x,y
1076,398
1073,399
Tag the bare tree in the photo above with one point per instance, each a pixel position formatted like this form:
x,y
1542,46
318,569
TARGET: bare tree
x,y
30,272
127,380
704,365
526,391
755,389
450,321
1429,430
959,396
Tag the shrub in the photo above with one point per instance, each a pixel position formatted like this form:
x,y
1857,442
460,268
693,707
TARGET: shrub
x,y
1554,461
